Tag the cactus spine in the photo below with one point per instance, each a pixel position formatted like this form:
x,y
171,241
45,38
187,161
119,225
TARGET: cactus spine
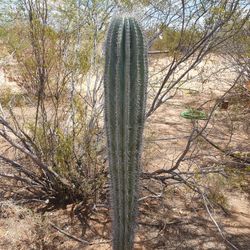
x,y
125,85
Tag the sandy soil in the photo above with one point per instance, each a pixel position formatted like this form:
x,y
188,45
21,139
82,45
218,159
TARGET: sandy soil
x,y
186,225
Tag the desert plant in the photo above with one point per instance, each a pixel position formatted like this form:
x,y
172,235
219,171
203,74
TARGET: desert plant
x,y
125,97
57,142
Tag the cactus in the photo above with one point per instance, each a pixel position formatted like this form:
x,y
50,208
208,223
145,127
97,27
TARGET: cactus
x,y
125,87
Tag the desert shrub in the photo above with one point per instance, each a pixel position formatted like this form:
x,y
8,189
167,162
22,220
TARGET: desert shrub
x,y
175,41
68,166
45,56
217,186
10,97
6,96
56,144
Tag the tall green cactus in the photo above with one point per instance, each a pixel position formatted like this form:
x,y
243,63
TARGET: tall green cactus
x,y
125,85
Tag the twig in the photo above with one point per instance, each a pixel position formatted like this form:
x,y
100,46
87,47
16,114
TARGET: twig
x,y
68,234
216,224
151,197
224,151
76,238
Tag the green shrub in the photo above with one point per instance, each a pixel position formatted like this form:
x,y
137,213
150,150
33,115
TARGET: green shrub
x,y
176,42
9,97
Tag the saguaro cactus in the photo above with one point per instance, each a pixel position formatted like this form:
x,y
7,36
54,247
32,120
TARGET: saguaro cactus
x,y
125,85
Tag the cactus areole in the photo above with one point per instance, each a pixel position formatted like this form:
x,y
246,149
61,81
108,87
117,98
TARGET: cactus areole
x,y
125,87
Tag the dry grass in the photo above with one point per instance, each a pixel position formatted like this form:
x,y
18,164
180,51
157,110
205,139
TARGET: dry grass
x,y
21,228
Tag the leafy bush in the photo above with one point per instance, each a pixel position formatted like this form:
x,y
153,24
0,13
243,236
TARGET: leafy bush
x,y
175,41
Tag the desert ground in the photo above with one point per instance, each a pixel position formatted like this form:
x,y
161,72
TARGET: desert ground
x,y
177,219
